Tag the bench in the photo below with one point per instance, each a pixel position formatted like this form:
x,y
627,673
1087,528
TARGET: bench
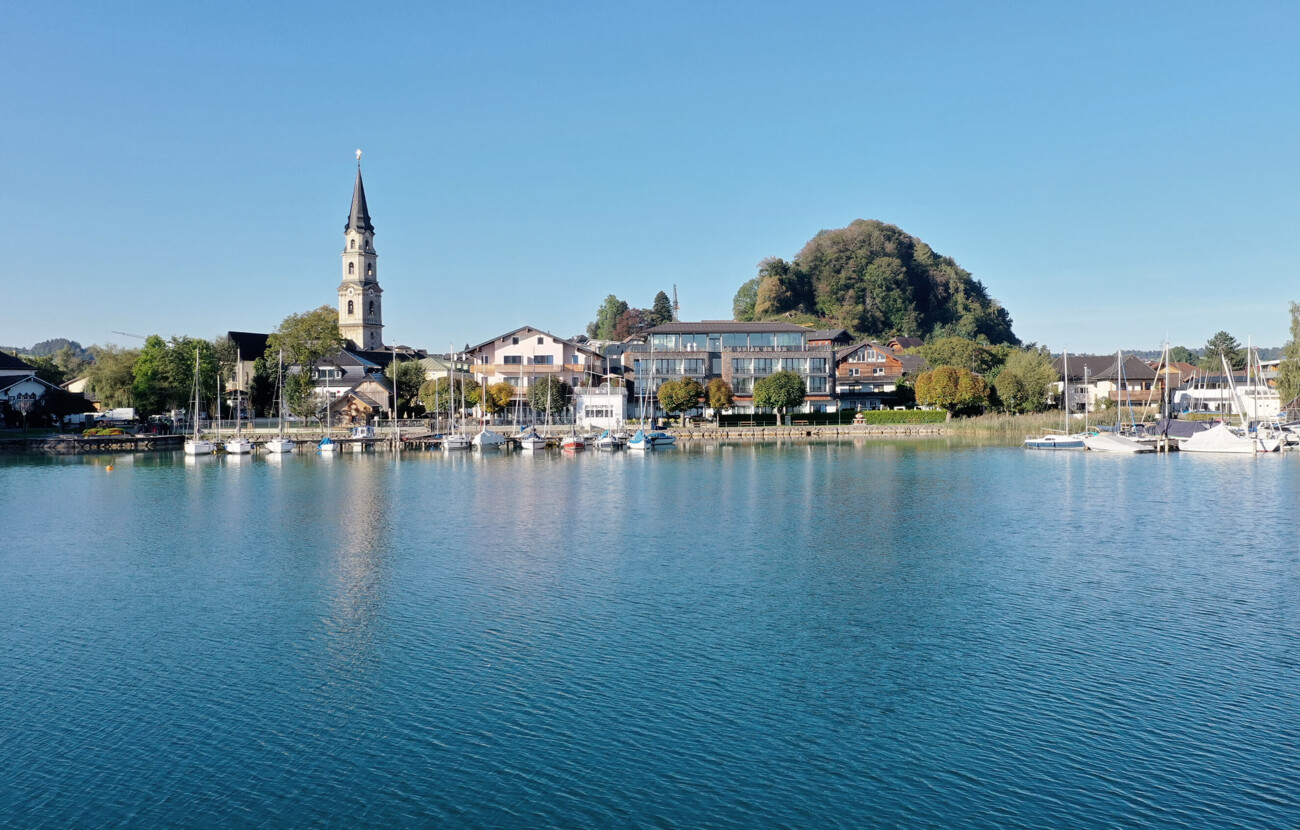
x,y
801,423
746,423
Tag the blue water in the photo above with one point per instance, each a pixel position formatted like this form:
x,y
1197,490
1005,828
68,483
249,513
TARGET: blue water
x,y
922,634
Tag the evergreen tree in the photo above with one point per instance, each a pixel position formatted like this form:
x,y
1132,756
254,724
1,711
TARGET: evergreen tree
x,y
661,311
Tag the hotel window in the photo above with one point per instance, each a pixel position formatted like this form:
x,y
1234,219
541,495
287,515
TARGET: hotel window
x,y
715,342
665,367
789,341
664,342
763,365
761,340
791,364
817,384
739,366
694,366
735,341
743,385
816,365
717,365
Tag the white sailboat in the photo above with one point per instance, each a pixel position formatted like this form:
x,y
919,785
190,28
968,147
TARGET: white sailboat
x,y
486,439
327,445
239,445
455,440
196,444
1053,440
280,443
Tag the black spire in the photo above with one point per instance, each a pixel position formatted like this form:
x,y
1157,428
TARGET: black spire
x,y
359,218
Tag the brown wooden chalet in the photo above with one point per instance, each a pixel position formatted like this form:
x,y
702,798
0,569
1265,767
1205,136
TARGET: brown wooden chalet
x,y
867,374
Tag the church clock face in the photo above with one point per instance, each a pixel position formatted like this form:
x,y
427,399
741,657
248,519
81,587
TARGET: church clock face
x,y
350,292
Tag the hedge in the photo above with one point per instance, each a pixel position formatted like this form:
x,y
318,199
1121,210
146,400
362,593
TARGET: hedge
x,y
846,417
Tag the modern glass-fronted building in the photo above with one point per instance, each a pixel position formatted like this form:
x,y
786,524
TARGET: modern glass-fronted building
x,y
739,353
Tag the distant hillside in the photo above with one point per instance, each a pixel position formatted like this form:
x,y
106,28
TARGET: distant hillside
x,y
874,280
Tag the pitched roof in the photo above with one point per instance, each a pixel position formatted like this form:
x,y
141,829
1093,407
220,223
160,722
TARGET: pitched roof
x,y
8,361
587,349
251,345
1102,367
724,327
905,342
827,334
359,216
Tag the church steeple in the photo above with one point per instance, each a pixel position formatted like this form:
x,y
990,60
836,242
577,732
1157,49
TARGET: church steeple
x,y
359,217
361,318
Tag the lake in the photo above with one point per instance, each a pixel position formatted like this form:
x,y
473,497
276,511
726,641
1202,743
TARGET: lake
x,y
930,633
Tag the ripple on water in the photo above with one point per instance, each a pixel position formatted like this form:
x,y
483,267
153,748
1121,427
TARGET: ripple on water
x,y
838,635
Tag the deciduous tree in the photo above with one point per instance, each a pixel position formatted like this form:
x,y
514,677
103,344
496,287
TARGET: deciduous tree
x,y
607,318
112,375
1025,382
720,396
548,394
951,388
780,391
677,396
1288,371
306,338
410,377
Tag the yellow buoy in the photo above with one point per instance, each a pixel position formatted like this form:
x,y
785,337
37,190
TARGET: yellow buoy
x,y
109,468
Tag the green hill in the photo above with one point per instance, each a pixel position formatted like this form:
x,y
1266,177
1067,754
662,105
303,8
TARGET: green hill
x,y
876,280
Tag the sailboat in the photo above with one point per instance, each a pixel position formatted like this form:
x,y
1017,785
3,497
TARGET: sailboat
x,y
455,440
280,443
239,445
1222,439
641,439
327,444
486,439
1052,439
197,445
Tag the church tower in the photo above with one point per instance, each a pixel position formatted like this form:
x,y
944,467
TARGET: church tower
x,y
361,317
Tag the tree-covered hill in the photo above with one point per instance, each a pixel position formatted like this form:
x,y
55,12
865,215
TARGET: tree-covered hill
x,y
874,279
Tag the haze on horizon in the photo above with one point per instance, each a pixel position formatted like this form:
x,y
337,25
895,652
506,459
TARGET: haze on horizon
x,y
1115,175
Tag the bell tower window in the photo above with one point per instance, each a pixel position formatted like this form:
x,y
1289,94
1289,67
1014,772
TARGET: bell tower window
x,y
372,308
350,307
354,244
370,269
352,268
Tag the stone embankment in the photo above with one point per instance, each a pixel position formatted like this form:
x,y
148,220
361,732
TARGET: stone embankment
x,y
75,444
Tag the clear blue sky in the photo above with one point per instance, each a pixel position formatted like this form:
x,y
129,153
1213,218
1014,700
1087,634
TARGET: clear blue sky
x,y
1113,173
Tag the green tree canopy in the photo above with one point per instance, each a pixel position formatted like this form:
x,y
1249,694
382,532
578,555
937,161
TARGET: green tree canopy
x,y
602,328
1026,381
780,391
1288,371
548,394
951,388
1226,345
1182,354
661,311
742,305
875,280
962,353
680,395
306,338
112,375
410,377
436,399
